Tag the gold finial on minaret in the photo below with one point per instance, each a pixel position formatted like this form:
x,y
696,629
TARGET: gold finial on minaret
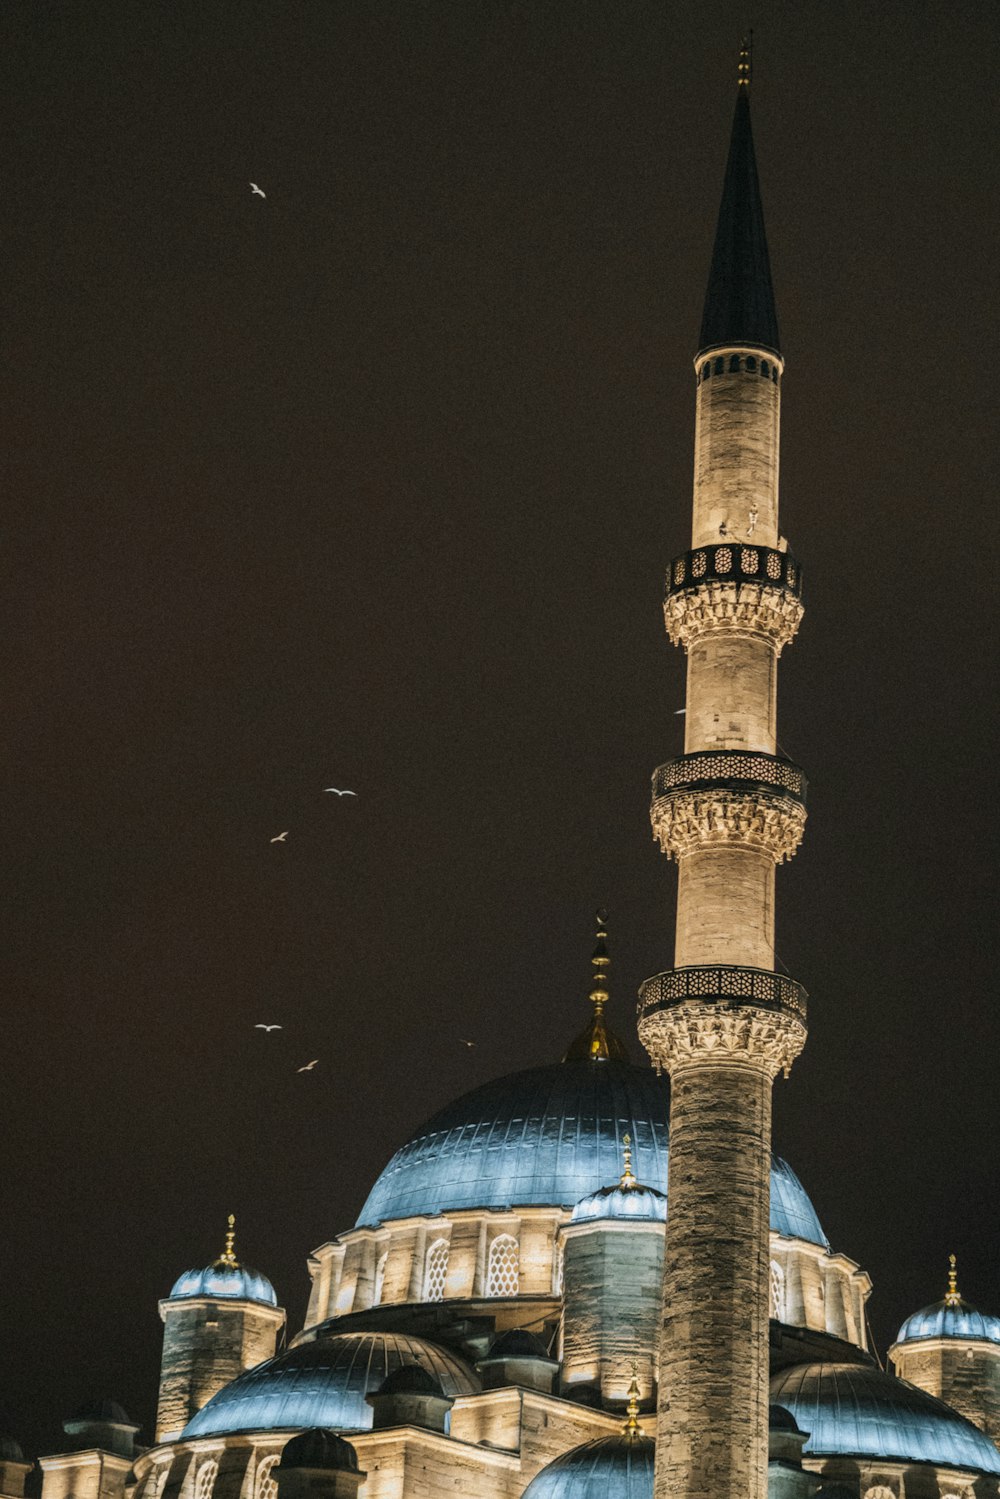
x,y
628,1179
746,49
952,1298
632,1429
228,1255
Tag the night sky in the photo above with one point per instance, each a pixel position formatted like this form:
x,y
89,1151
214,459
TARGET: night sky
x,y
372,483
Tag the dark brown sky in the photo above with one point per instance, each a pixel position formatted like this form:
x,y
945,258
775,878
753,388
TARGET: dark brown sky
x,y
373,483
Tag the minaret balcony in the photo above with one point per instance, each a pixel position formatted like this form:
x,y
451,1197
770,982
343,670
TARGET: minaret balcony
x,y
716,1013
734,585
743,798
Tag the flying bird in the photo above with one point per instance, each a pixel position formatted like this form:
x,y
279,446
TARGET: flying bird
x,y
466,1043
280,838
337,791
679,712
258,190
308,1067
260,1027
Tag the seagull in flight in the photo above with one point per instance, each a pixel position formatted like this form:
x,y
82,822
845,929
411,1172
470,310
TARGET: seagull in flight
x,y
308,1067
280,838
466,1043
679,712
260,1027
258,190
337,791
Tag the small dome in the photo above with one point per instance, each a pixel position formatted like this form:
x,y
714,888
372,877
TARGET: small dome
x,y
325,1384
855,1410
101,1412
319,1448
517,1342
222,1282
951,1318
10,1450
638,1202
410,1379
618,1467
780,1419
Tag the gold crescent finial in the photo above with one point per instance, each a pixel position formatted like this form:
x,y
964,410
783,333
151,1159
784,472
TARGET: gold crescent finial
x,y
746,48
600,963
628,1180
632,1428
952,1298
228,1255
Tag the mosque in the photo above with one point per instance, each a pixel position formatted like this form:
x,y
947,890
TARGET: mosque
x,y
515,1314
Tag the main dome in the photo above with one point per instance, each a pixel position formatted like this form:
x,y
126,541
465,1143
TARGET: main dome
x,y
324,1384
550,1136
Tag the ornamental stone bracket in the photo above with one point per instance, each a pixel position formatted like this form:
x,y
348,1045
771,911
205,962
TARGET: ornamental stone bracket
x,y
702,1035
701,1015
751,609
766,821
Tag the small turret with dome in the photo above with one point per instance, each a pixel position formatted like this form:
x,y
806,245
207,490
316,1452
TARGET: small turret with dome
x,y
217,1322
615,1467
952,1350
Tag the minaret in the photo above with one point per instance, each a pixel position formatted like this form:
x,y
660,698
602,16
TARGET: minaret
x,y
721,1022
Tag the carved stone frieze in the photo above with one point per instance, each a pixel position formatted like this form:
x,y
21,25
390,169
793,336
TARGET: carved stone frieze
x,y
684,821
771,614
700,1034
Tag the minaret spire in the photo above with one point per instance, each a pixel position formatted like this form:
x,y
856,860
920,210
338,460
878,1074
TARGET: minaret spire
x,y
739,302
597,1042
722,1022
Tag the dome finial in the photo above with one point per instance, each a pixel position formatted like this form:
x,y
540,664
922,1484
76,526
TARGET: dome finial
x,y
600,963
632,1429
597,1042
228,1255
952,1298
628,1179
746,55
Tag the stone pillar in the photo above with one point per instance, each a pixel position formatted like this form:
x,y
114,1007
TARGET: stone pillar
x,y
612,1273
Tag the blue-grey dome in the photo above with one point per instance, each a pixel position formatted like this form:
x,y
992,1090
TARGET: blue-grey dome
x,y
950,1319
637,1202
319,1449
617,1467
324,1384
550,1136
225,1282
854,1410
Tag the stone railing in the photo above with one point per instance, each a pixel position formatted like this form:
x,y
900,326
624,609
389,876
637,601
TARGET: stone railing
x,y
728,987
730,770
735,562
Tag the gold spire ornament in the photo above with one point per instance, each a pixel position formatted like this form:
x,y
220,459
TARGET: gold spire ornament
x,y
746,47
628,1179
228,1255
632,1429
952,1298
598,1043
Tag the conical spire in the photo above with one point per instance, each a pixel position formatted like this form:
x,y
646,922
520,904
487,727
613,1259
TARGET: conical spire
x,y
739,303
597,1042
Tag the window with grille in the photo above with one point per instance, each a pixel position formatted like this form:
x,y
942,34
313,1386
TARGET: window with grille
x,y
205,1481
435,1270
379,1278
267,1485
777,1306
501,1274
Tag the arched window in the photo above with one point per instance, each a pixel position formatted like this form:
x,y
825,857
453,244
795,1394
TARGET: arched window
x,y
751,364
777,1297
435,1270
720,366
501,1274
383,1260
734,363
765,368
706,370
205,1482
266,1486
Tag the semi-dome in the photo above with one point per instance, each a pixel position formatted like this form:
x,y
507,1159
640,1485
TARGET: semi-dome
x,y
225,1282
550,1136
637,1202
619,1467
324,1384
855,1410
950,1319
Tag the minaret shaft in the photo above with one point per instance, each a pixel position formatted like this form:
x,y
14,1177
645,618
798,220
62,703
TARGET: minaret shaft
x,y
722,1022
